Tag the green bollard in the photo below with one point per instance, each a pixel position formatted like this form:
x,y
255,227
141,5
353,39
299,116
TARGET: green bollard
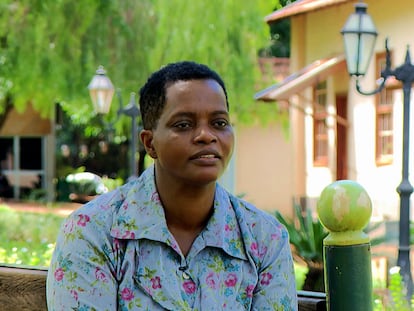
x,y
344,208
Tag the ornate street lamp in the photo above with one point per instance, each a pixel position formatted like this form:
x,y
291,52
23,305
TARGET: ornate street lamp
x,y
101,91
359,36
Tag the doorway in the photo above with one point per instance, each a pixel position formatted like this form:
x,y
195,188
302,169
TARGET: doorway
x,y
341,137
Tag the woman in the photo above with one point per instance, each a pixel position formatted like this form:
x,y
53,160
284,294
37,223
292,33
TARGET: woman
x,y
174,239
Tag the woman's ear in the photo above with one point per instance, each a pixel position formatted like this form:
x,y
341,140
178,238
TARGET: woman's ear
x,y
146,139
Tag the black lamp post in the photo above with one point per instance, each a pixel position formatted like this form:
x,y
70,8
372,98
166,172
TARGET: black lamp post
x,y
101,90
359,36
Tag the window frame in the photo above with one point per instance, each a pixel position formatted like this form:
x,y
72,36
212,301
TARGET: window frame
x,y
320,128
384,125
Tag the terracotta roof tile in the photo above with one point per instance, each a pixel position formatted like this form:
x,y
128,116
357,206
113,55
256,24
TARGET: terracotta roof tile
x,y
296,82
300,7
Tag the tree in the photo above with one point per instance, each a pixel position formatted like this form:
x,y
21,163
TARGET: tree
x,y
279,44
50,49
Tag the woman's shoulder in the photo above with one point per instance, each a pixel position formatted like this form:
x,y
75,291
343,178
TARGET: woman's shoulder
x,y
252,212
103,208
261,224
263,235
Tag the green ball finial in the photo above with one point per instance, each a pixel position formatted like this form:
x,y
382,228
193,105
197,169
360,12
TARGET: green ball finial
x,y
345,208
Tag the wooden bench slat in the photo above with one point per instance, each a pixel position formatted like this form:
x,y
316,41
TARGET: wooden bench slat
x,y
311,301
22,288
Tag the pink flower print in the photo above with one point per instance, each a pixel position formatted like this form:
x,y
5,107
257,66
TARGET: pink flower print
x,y
175,246
262,251
189,287
125,205
83,220
155,197
265,278
74,294
274,236
227,228
249,291
59,274
104,207
115,232
212,280
254,247
231,280
100,275
116,244
258,252
128,235
68,228
127,294
156,282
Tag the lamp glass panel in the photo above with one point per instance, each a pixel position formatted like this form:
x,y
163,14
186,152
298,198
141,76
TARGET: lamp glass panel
x,y
101,99
366,48
352,24
350,33
359,35
100,82
351,52
367,25
101,91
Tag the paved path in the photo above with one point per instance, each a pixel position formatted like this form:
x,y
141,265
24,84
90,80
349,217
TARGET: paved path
x,y
62,208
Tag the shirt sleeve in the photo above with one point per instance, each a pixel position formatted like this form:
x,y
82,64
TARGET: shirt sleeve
x,y
276,289
82,274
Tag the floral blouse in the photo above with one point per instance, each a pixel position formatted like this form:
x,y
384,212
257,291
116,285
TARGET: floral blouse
x,y
116,253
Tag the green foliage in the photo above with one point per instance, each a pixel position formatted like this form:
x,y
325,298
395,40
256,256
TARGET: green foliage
x,y
49,50
300,275
88,184
83,187
27,238
112,183
396,299
397,291
306,234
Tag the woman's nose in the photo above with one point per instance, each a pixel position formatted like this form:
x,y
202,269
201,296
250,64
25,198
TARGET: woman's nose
x,y
205,135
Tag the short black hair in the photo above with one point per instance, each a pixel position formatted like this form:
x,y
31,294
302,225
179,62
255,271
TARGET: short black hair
x,y
152,94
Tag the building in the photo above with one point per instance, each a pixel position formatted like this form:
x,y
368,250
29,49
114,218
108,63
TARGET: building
x,y
27,151
335,132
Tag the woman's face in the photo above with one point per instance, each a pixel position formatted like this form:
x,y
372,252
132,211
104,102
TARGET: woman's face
x,y
193,140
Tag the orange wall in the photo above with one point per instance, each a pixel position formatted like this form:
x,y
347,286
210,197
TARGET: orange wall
x,y
263,167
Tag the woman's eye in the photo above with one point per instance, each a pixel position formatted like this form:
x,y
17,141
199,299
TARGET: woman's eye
x,y
221,123
182,125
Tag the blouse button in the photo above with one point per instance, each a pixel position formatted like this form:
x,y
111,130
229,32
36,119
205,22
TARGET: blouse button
x,y
185,275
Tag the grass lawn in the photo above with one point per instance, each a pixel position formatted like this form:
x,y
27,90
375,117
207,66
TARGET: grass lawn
x,y
27,238
300,273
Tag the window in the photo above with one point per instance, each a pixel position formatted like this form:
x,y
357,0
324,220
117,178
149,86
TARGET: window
x,y
31,153
21,162
384,126
6,154
320,130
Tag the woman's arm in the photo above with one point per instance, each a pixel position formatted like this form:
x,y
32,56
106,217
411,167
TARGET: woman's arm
x,y
82,273
276,289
